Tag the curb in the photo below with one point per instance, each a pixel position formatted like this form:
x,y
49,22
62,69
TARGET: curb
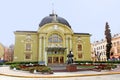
x,y
61,76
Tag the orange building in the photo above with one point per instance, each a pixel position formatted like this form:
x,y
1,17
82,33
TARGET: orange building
x,y
115,47
8,53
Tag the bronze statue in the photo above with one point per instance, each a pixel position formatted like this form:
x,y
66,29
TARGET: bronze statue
x,y
70,56
108,38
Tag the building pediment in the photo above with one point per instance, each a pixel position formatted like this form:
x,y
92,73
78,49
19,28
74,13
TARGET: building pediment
x,y
51,27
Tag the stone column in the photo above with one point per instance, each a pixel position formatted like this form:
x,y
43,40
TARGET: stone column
x,y
45,52
40,49
70,43
67,43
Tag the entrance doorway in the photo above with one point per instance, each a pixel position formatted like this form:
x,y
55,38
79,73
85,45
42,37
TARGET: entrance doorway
x,y
56,60
56,55
61,59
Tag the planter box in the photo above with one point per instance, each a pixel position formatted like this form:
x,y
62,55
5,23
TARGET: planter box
x,y
71,68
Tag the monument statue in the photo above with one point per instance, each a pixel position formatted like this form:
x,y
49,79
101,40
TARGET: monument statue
x,y
108,39
70,58
70,67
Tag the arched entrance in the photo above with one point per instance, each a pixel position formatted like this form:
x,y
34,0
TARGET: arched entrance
x,y
55,50
55,55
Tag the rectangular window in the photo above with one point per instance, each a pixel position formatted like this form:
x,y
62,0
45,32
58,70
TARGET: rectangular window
x,y
28,46
114,43
27,56
79,47
117,43
79,55
118,50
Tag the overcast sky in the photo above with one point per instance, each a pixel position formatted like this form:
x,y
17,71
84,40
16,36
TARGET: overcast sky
x,y
84,16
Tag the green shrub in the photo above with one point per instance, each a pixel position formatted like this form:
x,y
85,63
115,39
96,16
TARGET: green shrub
x,y
31,68
1,63
9,63
13,66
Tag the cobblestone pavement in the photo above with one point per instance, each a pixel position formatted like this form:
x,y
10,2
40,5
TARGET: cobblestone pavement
x,y
81,75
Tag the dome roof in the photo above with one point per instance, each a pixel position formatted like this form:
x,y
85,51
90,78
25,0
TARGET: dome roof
x,y
53,18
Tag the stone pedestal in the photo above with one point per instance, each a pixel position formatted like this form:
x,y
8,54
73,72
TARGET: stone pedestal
x,y
71,68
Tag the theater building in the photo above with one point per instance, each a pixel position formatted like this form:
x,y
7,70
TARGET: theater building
x,y
52,42
1,52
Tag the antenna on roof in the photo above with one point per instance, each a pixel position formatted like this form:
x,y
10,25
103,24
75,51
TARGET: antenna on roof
x,y
53,12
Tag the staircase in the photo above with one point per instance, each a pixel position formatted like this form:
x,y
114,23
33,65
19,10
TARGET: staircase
x,y
57,67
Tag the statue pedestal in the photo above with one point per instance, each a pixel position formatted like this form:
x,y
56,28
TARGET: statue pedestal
x,y
71,68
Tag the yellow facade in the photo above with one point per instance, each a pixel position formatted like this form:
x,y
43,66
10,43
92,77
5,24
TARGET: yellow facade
x,y
51,43
1,51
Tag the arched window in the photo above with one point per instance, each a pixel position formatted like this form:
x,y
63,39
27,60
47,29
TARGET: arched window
x,y
28,47
55,38
79,55
79,47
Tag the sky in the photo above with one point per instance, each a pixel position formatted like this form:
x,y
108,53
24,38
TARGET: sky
x,y
84,16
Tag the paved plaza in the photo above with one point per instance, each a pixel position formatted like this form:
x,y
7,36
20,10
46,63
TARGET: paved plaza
x,y
7,74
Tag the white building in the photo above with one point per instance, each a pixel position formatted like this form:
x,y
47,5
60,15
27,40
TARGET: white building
x,y
98,48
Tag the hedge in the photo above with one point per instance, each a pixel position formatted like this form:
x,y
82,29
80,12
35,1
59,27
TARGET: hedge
x,y
79,62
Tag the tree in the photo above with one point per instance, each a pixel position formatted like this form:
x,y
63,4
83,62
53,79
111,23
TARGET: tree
x,y
108,39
